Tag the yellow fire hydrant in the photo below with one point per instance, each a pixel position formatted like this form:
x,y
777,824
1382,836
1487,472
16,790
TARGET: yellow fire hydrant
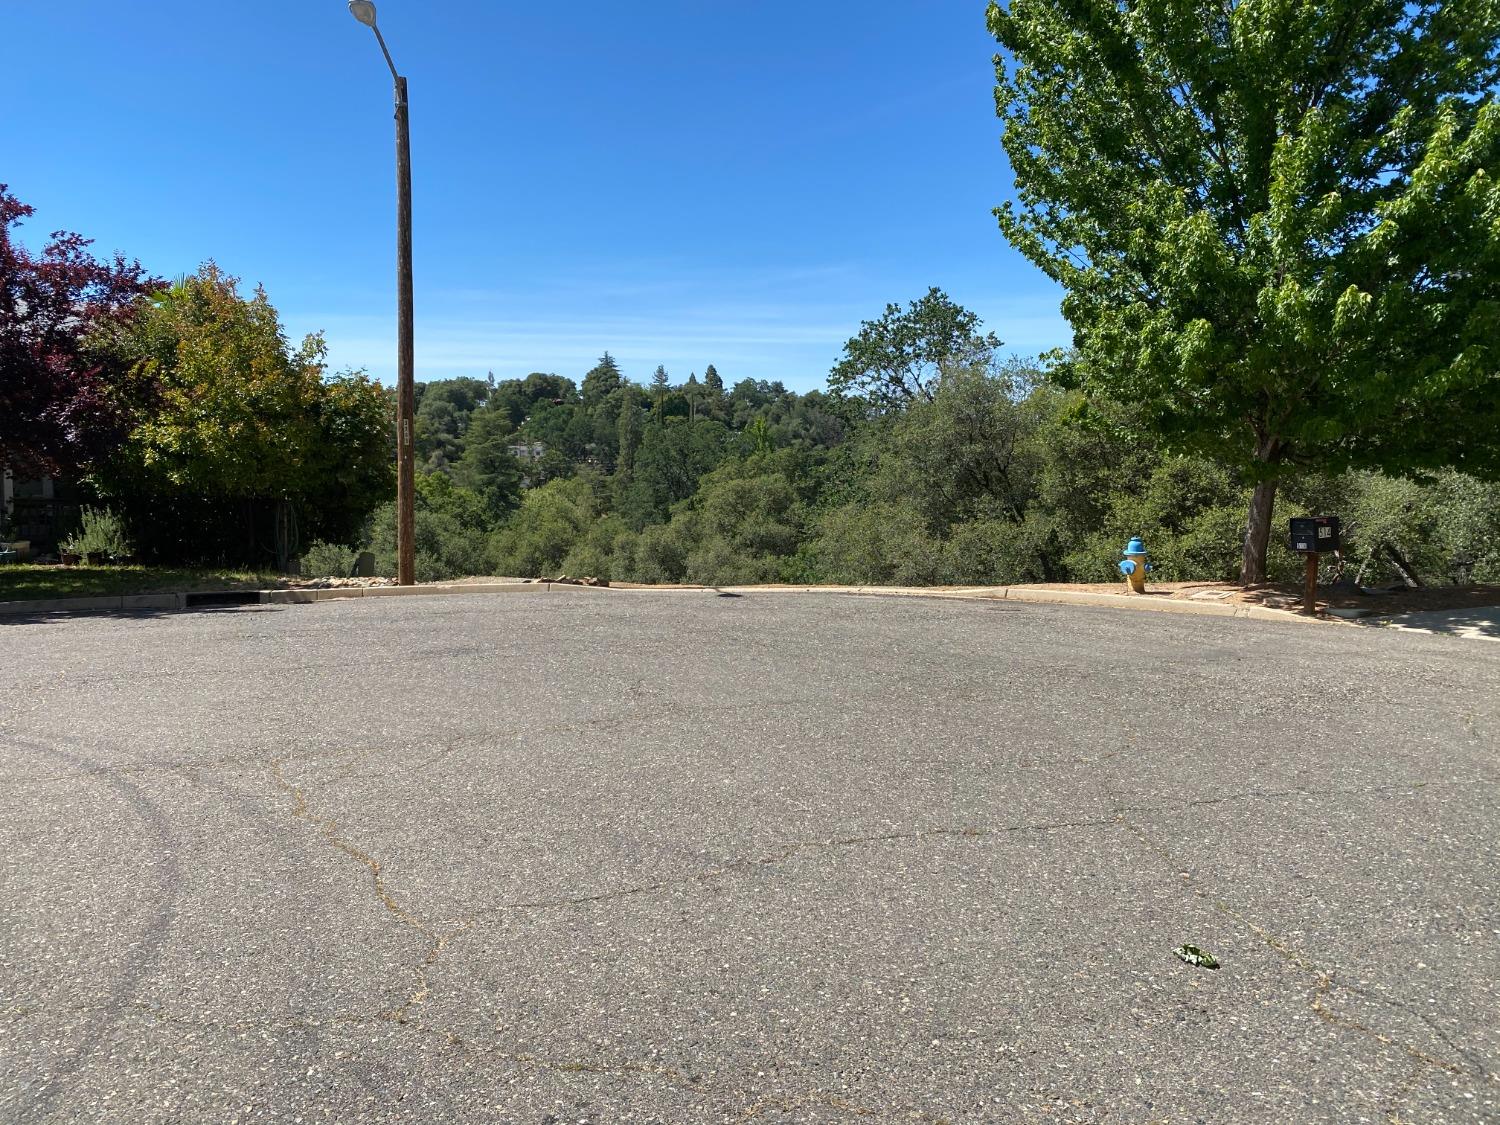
x,y
1134,566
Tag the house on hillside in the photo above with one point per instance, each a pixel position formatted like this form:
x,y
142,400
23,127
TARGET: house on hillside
x,y
527,450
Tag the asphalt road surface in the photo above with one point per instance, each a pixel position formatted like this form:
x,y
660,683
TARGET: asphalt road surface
x,y
598,856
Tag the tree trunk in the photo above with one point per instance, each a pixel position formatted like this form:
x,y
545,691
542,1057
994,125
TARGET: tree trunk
x,y
1258,534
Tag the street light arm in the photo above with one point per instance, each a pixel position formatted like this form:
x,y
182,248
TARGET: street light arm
x,y
386,52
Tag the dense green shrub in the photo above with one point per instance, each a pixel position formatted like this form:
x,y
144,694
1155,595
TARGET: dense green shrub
x,y
882,543
551,521
451,532
602,550
327,560
101,531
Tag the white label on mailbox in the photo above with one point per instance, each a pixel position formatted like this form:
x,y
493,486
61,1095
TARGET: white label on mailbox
x,y
1325,533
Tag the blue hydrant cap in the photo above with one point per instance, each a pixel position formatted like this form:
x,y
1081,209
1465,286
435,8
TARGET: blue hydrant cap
x,y
1135,547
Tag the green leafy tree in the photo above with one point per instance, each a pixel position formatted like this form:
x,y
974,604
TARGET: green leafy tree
x,y
444,410
749,523
551,521
810,421
602,381
246,440
518,398
751,398
880,544
595,554
758,436
898,359
1469,522
1278,224
629,430
670,463
487,467
451,531
964,454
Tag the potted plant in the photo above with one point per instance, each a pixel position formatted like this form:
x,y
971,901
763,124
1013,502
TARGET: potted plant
x,y
70,550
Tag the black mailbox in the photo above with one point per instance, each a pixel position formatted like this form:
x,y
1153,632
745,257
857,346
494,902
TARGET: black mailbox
x,y
1315,534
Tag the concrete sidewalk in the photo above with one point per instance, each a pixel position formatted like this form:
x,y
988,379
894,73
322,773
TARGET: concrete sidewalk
x,y
1482,624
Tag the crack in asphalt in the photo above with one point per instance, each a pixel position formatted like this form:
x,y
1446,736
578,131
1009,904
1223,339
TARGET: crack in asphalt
x,y
1326,980
784,855
793,851
439,939
648,1069
1307,965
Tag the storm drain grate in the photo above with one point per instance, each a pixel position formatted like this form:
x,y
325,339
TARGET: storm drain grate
x,y
226,597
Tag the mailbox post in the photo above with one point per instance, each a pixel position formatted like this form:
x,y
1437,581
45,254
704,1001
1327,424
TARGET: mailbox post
x,y
1310,537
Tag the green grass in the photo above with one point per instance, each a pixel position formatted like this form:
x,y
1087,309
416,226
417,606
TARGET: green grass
x,y
24,582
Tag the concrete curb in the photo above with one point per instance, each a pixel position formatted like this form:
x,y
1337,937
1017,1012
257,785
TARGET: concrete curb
x,y
177,602
174,602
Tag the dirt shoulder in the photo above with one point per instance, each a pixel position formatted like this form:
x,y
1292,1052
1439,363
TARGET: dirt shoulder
x,y
1279,596
1287,595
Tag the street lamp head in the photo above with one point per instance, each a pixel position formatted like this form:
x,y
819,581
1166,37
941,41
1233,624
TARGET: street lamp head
x,y
363,11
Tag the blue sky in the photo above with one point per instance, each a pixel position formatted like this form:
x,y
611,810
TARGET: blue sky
x,y
680,183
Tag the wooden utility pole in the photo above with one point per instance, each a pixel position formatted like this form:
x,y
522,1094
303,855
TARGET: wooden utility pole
x,y
406,394
406,390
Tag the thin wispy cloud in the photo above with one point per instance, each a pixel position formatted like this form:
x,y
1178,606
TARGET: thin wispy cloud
x,y
787,325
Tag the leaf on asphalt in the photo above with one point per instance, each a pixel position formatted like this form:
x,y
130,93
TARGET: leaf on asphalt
x,y
1200,958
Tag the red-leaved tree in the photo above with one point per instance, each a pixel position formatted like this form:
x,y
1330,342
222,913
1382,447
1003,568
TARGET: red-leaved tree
x,y
63,402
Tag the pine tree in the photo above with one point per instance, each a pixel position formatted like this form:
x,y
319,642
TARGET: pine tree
x,y
629,430
713,392
601,381
660,385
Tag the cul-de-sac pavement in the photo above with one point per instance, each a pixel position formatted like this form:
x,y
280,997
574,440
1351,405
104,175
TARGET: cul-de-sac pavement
x,y
600,856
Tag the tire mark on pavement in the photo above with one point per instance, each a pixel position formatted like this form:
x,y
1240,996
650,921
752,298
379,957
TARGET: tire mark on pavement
x,y
142,955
